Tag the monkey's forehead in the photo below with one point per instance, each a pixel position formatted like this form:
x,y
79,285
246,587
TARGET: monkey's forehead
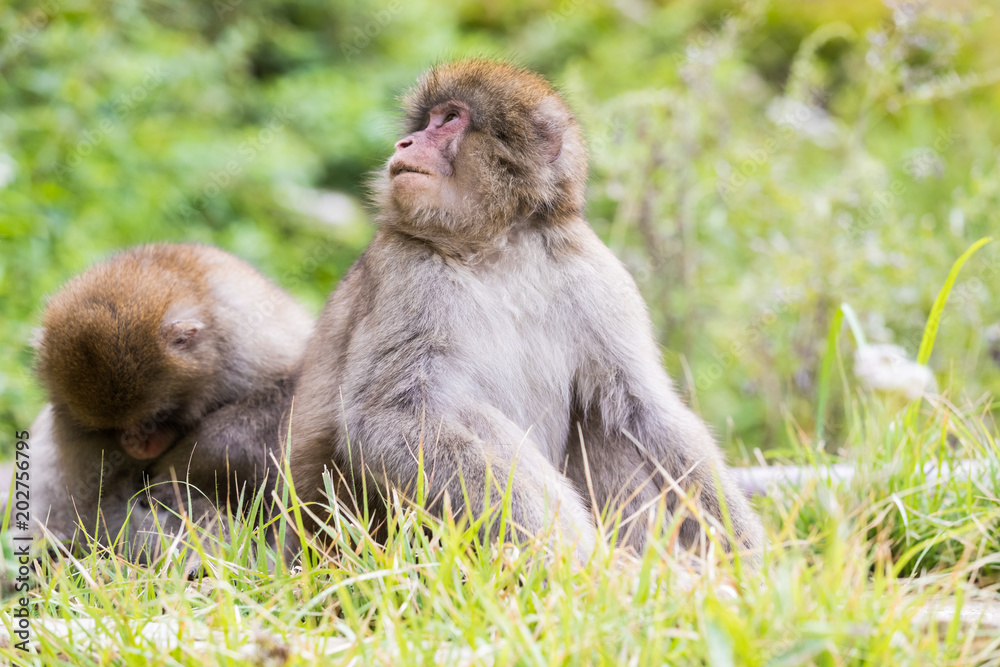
x,y
103,387
499,95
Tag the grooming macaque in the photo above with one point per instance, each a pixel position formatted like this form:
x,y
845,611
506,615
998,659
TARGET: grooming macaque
x,y
488,335
164,364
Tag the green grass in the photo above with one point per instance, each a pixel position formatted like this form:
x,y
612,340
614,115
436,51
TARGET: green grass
x,y
848,580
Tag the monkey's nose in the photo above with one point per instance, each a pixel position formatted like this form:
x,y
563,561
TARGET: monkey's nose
x,y
404,143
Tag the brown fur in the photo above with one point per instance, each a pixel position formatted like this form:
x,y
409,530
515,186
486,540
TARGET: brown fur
x,y
487,337
506,166
183,341
105,331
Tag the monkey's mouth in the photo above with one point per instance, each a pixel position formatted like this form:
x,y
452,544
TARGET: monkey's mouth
x,y
147,443
398,168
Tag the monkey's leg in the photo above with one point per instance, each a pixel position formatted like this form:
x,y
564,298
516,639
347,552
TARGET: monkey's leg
x,y
641,444
469,460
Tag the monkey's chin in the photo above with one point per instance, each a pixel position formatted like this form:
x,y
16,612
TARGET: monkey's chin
x,y
410,189
144,446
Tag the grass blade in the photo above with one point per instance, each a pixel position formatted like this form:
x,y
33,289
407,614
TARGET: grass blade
x,y
930,331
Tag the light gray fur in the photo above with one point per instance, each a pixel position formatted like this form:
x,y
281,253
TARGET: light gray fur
x,y
494,360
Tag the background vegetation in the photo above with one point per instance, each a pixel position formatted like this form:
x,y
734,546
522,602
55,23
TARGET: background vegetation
x,y
755,163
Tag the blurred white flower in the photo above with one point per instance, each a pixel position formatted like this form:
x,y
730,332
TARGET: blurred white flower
x,y
8,168
877,38
904,15
907,294
780,242
811,122
822,206
956,221
883,367
923,163
759,245
873,253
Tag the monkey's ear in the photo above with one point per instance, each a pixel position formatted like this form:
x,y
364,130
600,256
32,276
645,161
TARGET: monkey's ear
x,y
181,334
551,123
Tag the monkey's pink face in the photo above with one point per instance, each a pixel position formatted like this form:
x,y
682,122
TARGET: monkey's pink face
x,y
422,169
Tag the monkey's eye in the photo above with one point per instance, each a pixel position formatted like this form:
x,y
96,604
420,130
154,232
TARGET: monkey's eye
x,y
450,116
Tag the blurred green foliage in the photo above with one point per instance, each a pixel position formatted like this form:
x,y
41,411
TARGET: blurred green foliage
x,y
754,164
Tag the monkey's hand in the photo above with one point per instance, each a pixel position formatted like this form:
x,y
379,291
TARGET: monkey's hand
x,y
178,503
171,516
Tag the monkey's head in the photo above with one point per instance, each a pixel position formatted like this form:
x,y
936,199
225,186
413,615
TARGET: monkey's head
x,y
487,144
123,348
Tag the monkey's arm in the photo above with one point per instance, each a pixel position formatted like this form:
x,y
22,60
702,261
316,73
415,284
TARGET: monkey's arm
x,y
229,455
225,461
641,442
639,439
470,455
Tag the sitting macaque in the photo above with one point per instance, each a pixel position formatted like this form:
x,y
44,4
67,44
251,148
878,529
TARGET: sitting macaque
x,y
488,338
169,371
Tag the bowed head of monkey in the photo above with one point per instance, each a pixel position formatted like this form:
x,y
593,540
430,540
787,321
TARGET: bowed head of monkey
x,y
131,347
